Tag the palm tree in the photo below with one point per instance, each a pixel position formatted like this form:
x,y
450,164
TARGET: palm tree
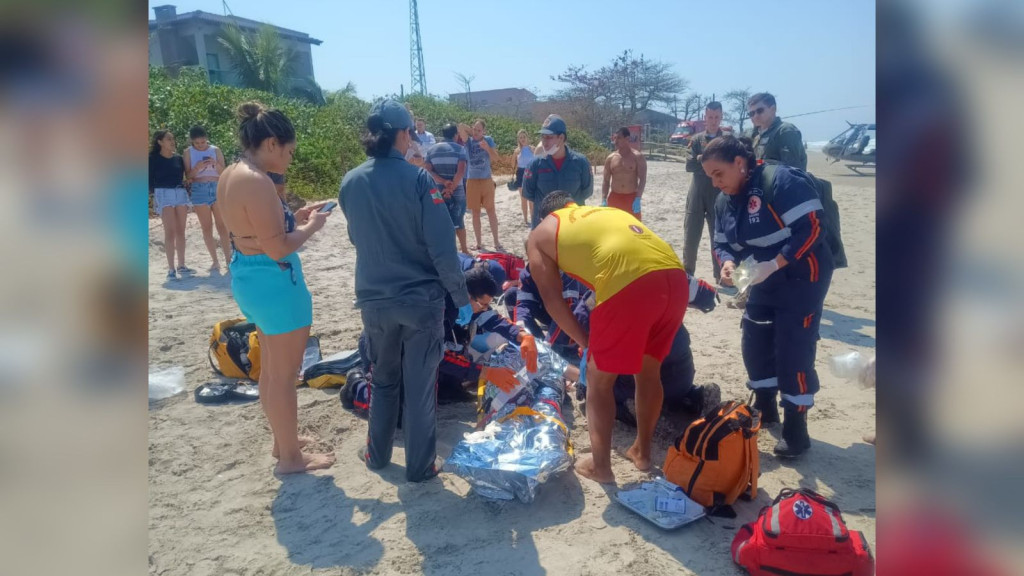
x,y
260,60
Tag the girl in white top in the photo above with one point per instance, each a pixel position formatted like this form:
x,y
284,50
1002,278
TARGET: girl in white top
x,y
524,155
203,164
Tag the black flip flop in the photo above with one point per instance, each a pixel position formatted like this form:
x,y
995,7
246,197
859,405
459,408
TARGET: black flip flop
x,y
214,392
245,391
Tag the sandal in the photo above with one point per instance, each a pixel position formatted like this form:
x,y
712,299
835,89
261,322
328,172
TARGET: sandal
x,y
213,392
245,391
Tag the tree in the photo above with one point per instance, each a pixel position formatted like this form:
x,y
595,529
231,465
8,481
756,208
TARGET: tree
x,y
260,60
737,106
467,86
693,105
638,83
309,91
612,95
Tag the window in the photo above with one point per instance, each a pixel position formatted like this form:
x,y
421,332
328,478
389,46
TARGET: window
x,y
213,67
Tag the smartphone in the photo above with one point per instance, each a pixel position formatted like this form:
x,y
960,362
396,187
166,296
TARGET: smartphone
x,y
328,207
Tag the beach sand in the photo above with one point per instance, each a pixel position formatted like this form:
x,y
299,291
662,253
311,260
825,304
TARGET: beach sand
x,y
215,508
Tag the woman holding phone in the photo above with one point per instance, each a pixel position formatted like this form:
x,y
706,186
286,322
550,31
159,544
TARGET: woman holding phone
x,y
204,162
266,274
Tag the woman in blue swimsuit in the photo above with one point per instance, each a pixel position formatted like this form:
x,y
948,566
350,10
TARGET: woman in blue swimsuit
x,y
266,274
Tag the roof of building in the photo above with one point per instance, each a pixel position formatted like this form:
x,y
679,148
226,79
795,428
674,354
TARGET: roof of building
x,y
199,15
498,93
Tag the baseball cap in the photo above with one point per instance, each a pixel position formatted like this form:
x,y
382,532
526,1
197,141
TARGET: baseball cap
x,y
497,272
553,124
394,115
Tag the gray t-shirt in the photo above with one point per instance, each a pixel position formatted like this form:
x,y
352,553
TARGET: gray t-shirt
x,y
479,159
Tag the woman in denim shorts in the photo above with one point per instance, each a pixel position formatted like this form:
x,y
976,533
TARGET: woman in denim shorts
x,y
166,183
204,163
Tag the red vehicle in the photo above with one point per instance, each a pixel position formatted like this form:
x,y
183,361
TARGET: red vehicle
x,y
688,128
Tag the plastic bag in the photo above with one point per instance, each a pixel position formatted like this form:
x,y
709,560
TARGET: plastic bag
x,y
166,382
741,276
854,366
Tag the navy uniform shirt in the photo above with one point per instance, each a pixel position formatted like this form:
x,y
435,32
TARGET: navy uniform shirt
x,y
791,225
781,142
542,178
404,238
531,312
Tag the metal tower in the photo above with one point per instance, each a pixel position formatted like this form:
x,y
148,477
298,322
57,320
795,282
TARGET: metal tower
x,y
419,75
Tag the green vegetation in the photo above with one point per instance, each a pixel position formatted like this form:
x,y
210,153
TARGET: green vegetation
x,y
328,135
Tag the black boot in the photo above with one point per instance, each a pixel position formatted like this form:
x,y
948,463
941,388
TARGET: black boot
x,y
353,380
765,402
700,400
795,439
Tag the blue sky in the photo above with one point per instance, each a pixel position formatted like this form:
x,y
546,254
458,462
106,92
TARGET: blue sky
x,y
812,54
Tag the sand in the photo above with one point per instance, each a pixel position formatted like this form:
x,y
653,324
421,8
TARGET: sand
x,y
216,508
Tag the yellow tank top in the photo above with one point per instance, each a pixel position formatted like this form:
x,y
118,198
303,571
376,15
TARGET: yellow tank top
x,y
607,248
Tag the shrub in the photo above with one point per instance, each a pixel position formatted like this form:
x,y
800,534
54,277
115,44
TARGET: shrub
x,y
328,135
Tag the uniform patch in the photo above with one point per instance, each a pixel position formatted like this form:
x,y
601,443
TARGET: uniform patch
x,y
754,205
436,195
802,510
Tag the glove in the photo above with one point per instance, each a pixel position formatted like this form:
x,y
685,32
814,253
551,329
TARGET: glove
x,y
465,315
583,367
503,378
528,350
636,205
705,297
760,271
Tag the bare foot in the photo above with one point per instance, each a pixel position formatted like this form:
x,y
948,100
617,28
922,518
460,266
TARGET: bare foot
x,y
585,467
642,464
307,463
303,441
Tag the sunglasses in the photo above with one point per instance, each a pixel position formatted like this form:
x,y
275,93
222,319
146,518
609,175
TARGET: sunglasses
x,y
756,112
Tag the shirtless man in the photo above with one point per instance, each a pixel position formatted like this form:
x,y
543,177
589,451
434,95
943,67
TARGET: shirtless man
x,y
625,172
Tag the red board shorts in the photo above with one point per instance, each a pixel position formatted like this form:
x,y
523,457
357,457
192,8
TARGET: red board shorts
x,y
641,319
623,202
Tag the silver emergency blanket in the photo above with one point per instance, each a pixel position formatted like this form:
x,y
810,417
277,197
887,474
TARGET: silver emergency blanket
x,y
524,439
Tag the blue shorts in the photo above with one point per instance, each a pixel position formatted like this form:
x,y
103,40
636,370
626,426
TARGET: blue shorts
x,y
271,294
457,209
204,193
169,198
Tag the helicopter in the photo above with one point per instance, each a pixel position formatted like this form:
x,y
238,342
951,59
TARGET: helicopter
x,y
856,145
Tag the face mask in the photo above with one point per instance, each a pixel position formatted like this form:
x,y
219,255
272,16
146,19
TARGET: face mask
x,y
551,151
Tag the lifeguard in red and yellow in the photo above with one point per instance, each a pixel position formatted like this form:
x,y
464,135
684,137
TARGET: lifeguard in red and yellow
x,y
641,294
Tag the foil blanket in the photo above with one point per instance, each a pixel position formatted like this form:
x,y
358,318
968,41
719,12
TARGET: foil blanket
x,y
524,439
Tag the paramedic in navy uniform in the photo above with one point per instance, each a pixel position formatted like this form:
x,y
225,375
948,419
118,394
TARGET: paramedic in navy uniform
x,y
789,282
405,265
